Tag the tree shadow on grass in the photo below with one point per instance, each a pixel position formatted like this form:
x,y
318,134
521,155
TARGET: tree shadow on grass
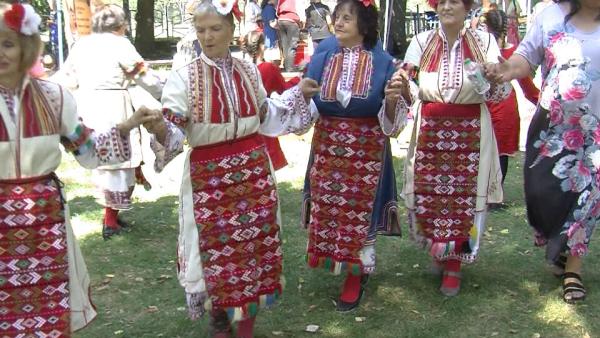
x,y
507,293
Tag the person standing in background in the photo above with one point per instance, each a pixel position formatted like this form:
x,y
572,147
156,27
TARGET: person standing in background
x,y
505,114
269,19
290,15
252,16
318,21
101,67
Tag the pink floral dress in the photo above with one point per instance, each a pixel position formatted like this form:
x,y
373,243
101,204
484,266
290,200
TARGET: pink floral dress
x,y
562,180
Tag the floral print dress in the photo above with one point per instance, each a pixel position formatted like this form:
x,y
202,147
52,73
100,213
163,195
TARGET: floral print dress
x,y
562,181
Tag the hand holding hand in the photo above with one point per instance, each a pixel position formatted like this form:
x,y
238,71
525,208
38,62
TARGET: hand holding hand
x,y
309,88
146,116
397,86
497,72
141,116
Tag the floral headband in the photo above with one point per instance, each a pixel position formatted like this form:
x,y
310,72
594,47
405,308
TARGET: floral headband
x,y
224,7
22,19
368,3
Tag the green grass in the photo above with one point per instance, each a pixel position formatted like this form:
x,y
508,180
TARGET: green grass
x,y
506,293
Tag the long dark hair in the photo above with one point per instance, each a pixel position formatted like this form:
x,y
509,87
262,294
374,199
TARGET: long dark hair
x,y
575,7
496,22
252,43
368,20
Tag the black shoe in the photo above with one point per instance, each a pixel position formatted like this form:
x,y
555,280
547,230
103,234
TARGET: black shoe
x,y
364,279
123,224
108,232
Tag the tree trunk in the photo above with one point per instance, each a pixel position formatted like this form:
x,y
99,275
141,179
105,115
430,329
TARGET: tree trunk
x,y
396,43
144,32
127,11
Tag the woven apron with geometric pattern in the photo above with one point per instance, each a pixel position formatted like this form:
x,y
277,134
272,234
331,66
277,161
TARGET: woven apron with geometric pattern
x,y
344,178
446,169
34,273
235,206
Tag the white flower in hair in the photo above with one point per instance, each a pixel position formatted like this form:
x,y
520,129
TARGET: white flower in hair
x,y
31,21
224,7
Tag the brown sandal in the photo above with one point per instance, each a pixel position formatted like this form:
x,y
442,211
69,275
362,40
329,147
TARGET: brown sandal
x,y
573,290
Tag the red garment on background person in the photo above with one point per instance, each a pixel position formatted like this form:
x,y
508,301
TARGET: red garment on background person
x,y
505,115
273,81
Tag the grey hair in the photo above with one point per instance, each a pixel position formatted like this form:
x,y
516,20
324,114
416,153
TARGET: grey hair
x,y
109,18
207,7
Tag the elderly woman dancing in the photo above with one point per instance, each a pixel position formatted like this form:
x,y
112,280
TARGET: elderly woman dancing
x,y
350,186
562,159
452,170
102,68
229,249
44,283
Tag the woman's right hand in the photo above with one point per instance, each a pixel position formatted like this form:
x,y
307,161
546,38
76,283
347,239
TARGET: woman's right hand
x,y
309,88
497,72
153,121
141,116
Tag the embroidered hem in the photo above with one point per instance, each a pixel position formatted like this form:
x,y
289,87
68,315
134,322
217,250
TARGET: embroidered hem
x,y
443,251
199,303
334,265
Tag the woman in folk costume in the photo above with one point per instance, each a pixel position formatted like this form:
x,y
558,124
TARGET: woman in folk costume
x,y
104,68
452,170
562,158
229,249
350,187
44,283
505,114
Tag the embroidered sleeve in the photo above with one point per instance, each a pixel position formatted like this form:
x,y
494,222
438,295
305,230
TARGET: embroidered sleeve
x,y
91,148
171,147
498,92
288,113
135,70
393,128
176,116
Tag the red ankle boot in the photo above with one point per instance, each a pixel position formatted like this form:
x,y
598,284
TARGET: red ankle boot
x,y
110,225
219,324
451,278
246,328
351,294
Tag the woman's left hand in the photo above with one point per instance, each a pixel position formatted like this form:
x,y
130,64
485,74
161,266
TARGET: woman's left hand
x,y
397,86
141,116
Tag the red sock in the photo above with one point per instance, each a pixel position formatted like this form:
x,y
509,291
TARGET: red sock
x,y
351,289
110,218
452,281
246,328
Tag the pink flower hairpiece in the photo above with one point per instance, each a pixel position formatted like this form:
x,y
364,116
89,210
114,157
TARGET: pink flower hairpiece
x,y
22,19
367,3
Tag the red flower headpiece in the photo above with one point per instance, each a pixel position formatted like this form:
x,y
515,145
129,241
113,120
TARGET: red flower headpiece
x,y
14,16
433,3
367,3
22,19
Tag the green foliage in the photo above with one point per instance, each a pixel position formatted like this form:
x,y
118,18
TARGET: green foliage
x,y
41,6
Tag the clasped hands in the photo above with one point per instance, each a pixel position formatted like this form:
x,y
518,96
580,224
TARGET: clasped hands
x,y
497,73
396,87
151,119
